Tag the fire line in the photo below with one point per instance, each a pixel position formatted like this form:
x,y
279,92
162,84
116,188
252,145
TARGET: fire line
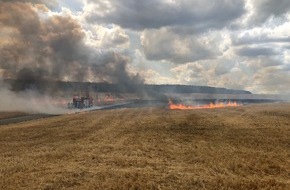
x,y
173,106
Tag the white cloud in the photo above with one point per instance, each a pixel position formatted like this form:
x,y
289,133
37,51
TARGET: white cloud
x,y
163,44
107,38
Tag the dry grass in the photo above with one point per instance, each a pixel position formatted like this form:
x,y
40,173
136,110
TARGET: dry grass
x,y
236,148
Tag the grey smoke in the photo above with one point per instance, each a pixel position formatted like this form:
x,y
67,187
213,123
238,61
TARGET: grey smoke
x,y
37,50
53,48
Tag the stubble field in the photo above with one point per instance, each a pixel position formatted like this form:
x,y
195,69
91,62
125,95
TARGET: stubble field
x,y
244,147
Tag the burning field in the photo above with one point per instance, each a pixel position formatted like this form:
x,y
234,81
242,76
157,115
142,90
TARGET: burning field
x,y
179,106
239,147
144,95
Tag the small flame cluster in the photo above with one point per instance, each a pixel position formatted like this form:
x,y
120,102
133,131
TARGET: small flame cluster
x,y
173,106
109,98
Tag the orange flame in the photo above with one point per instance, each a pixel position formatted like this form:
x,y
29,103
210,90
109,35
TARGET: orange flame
x,y
173,106
109,98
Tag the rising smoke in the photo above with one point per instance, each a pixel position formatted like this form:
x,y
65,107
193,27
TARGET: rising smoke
x,y
44,47
36,47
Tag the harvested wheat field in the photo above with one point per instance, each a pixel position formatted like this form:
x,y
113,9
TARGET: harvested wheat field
x,y
244,147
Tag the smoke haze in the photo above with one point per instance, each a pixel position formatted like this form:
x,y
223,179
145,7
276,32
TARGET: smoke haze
x,y
28,102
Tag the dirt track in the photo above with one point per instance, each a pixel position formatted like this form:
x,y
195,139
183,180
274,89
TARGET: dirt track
x,y
23,118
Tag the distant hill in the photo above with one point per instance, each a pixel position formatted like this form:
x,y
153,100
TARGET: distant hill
x,y
48,86
193,89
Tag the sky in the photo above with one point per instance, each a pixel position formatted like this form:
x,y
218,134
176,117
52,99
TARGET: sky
x,y
237,44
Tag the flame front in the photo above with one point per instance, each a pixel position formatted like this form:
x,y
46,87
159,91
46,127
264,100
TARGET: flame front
x,y
173,106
